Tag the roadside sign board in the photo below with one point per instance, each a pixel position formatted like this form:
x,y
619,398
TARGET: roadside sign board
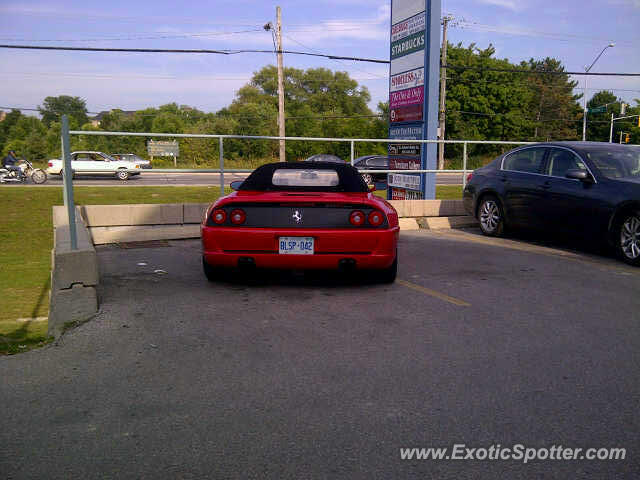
x,y
600,109
413,96
410,96
404,163
404,149
404,80
163,148
410,113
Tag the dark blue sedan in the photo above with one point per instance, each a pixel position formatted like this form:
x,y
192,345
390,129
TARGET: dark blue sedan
x,y
586,188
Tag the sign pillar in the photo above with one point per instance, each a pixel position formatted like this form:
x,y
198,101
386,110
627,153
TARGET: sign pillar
x,y
413,97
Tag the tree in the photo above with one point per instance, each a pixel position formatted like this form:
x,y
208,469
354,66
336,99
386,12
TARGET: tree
x,y
554,107
54,107
598,124
318,102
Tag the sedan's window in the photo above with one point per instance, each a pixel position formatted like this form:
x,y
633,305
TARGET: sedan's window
x,y
561,160
377,162
305,178
528,160
616,161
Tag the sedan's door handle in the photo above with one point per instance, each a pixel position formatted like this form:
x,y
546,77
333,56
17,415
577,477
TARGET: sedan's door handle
x,y
503,179
546,185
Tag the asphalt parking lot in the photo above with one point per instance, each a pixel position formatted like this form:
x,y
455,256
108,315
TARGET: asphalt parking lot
x,y
479,342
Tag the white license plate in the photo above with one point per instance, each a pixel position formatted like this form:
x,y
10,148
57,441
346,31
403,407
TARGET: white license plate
x,y
295,245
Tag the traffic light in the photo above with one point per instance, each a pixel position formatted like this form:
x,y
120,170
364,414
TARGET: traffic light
x,y
626,138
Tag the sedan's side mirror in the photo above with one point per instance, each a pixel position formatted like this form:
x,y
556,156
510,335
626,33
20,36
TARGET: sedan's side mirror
x,y
577,174
236,185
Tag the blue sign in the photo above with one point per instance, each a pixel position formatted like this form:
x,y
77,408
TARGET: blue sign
x,y
414,49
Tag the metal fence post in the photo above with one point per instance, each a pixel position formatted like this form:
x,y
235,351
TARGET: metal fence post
x,y
68,183
221,168
464,165
352,152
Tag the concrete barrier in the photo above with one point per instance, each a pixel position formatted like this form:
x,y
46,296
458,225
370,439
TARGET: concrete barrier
x,y
74,274
128,223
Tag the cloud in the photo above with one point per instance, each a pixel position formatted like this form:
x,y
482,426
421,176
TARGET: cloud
x,y
375,27
509,4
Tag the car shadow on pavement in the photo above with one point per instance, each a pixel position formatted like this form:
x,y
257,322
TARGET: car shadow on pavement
x,y
296,278
559,241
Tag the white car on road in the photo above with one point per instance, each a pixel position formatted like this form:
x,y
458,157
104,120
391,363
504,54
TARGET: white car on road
x,y
96,163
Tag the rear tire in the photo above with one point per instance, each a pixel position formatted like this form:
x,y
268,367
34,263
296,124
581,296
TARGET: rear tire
x,y
210,272
388,275
123,175
627,238
491,217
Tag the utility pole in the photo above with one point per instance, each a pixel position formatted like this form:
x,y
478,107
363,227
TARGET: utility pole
x,y
281,131
443,90
611,130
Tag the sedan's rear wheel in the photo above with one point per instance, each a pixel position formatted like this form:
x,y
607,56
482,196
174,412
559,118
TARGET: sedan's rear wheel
x,y
491,217
122,175
629,238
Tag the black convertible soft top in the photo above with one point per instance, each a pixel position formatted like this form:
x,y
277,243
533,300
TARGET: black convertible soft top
x,y
349,179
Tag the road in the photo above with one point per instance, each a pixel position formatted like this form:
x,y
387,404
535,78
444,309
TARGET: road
x,y
191,179
480,342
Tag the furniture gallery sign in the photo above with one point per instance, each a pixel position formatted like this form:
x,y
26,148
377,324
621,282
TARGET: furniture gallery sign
x,y
413,96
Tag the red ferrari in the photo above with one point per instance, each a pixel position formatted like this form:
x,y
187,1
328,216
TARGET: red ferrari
x,y
301,216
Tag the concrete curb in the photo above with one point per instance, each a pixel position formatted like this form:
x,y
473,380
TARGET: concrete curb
x,y
74,274
440,223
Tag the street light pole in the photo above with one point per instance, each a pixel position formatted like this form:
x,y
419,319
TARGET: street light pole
x,y
584,96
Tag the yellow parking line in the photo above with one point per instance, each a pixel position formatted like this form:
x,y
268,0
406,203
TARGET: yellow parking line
x,y
433,293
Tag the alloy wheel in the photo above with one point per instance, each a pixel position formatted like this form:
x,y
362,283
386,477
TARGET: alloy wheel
x,y
630,237
489,216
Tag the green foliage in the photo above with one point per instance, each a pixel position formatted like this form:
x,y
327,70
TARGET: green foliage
x,y
599,124
54,107
481,104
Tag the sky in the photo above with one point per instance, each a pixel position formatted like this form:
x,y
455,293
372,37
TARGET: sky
x,y
572,31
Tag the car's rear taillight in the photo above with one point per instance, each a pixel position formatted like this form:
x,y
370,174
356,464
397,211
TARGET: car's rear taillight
x,y
238,216
356,218
376,218
51,164
469,177
219,216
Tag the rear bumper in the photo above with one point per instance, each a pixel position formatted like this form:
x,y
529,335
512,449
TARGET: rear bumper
x,y
370,249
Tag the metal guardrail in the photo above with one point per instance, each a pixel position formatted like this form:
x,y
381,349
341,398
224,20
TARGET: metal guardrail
x,y
68,197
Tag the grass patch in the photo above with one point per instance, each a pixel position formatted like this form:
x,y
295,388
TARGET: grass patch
x,y
26,237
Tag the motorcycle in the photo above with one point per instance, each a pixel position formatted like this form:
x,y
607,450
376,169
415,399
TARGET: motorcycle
x,y
37,175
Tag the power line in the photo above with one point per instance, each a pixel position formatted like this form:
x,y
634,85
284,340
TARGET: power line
x,y
162,50
538,72
292,52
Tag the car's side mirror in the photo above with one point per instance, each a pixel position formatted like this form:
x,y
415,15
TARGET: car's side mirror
x,y
578,174
236,185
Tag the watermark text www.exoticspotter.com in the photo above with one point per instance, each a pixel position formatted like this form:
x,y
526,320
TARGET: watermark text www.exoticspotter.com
x,y
518,452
